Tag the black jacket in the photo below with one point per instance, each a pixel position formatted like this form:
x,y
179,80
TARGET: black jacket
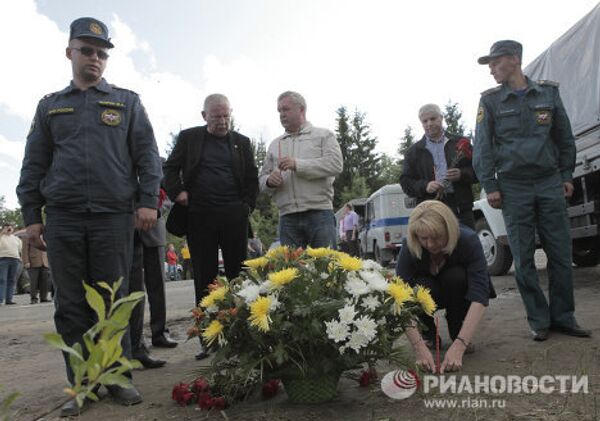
x,y
418,171
179,169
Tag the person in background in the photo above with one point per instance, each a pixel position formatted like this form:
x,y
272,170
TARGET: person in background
x,y
298,172
36,263
350,230
172,262
255,247
188,271
10,255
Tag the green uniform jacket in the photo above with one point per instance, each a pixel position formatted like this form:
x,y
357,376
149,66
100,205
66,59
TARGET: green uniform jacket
x,y
522,137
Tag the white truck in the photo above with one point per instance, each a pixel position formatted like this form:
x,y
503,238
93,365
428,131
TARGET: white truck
x,y
573,60
386,220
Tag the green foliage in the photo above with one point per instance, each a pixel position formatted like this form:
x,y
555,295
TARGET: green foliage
x,y
390,170
101,362
358,188
265,220
259,148
353,134
12,216
6,403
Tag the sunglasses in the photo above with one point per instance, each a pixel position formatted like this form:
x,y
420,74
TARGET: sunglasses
x,y
89,51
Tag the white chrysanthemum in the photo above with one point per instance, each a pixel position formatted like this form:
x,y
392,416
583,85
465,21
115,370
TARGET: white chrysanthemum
x,y
349,301
265,287
337,331
366,326
347,314
249,293
370,302
212,309
381,321
343,349
356,287
374,280
274,303
324,275
371,265
357,341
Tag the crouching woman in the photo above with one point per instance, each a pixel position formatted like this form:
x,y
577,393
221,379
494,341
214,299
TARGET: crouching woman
x,y
448,259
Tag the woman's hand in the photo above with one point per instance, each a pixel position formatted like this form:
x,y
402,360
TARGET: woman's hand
x,y
424,357
453,358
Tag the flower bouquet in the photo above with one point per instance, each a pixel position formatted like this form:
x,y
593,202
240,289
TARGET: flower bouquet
x,y
304,316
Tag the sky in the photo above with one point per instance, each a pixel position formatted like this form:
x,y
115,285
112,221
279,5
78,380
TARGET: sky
x,y
384,58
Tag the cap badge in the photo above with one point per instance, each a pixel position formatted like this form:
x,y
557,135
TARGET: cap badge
x,y
95,28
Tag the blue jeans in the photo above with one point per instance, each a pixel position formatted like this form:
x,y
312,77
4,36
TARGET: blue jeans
x,y
315,228
8,277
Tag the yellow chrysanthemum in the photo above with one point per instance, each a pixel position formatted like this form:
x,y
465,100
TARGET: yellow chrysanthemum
x,y
212,331
217,294
349,263
276,252
423,297
319,252
401,293
259,262
283,277
259,313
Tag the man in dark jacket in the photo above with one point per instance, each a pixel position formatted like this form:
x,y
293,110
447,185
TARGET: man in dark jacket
x,y
211,170
439,167
90,151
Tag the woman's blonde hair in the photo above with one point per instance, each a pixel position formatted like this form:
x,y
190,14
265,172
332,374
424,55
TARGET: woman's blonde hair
x,y
435,219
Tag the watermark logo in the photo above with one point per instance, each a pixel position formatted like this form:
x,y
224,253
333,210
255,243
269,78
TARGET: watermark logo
x,y
400,384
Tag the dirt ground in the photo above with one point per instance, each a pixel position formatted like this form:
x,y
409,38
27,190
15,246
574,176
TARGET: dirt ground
x,y
503,347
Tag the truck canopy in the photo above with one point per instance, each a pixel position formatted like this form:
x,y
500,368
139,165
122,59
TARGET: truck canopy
x,y
573,60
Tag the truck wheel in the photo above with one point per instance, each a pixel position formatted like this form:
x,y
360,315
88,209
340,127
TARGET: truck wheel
x,y
498,256
379,256
586,252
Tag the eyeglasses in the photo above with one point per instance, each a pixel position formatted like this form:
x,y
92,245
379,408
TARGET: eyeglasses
x,y
89,51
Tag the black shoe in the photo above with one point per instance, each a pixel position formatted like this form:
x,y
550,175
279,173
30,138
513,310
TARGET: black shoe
x,y
201,355
574,330
45,301
125,396
70,409
34,301
149,362
10,303
540,335
163,341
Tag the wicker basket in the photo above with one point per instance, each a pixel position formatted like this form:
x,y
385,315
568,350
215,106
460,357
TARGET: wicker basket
x,y
311,389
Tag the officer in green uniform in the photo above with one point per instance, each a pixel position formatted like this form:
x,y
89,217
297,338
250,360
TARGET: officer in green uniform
x,y
524,155
90,153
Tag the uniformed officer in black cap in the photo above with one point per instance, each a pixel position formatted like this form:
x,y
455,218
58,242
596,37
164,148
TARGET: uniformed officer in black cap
x,y
90,153
524,156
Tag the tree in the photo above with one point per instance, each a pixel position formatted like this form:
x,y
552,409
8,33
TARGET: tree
x,y
358,188
453,117
171,144
391,168
259,149
11,216
360,160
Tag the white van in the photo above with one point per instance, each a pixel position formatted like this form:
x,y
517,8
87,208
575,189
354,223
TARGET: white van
x,y
386,221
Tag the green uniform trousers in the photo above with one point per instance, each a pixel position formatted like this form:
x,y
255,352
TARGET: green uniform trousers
x,y
539,204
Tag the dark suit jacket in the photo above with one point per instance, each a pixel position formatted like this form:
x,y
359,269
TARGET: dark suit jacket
x,y
180,167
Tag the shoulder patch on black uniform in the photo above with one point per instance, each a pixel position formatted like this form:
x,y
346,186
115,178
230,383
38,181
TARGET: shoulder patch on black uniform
x,y
47,96
123,89
548,83
491,90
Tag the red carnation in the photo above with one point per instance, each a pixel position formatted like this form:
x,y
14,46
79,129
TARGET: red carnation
x,y
365,379
218,402
270,388
205,401
200,385
182,394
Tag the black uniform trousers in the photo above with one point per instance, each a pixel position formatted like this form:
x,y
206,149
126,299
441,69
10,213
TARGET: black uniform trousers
x,y
208,229
38,281
448,289
147,270
90,247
